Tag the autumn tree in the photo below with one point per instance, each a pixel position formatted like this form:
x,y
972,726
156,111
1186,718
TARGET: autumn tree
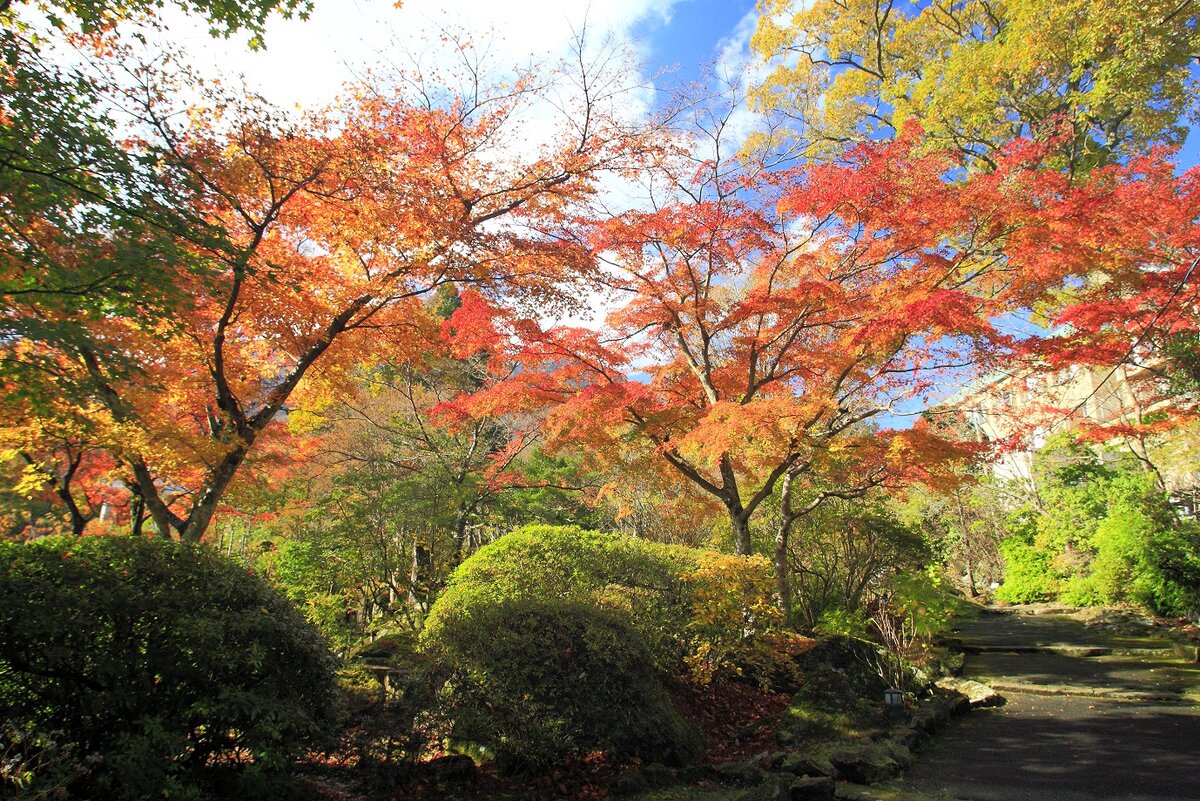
x,y
93,226
774,313
57,458
90,218
397,431
977,74
331,231
859,465
1133,317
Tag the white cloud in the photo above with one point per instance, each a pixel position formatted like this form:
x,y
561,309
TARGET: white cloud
x,y
738,66
306,62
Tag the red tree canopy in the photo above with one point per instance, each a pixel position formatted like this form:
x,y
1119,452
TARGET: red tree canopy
x,y
774,313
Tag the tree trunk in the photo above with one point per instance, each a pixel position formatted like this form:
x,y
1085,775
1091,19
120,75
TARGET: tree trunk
x,y
418,579
159,513
137,515
740,523
783,569
79,520
202,512
62,487
460,537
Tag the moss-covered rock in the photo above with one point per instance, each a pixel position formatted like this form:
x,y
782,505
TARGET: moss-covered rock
x,y
812,788
865,763
804,764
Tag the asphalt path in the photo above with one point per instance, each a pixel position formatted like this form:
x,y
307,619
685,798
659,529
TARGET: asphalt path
x,y
1061,741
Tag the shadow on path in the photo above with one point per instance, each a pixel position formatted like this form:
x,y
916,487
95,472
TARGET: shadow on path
x,y
1071,746
1064,748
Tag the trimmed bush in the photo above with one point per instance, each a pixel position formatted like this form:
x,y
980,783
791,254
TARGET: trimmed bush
x,y
165,669
695,609
532,680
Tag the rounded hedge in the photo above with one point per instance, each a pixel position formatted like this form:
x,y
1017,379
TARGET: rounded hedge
x,y
696,610
532,680
164,669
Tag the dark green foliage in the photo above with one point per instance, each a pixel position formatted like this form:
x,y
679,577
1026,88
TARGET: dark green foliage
x,y
550,498
532,680
169,670
391,689
842,556
90,225
1181,364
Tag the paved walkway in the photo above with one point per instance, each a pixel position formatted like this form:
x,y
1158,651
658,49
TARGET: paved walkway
x,y
1091,714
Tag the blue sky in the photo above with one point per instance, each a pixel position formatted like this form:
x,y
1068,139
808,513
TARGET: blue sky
x,y
306,62
694,33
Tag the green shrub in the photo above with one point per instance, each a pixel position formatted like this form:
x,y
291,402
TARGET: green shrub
x,y
1028,572
694,608
1082,591
1107,536
836,622
1142,554
531,680
166,670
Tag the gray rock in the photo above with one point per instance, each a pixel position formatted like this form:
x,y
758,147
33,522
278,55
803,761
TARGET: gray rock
x,y
742,774
864,764
928,720
898,751
957,704
909,738
933,715
807,765
978,694
812,788
772,788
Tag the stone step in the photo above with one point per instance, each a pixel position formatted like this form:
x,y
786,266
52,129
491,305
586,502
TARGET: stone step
x,y
1063,649
1166,697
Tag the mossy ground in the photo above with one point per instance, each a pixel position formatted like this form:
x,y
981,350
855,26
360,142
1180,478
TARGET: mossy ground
x,y
848,792
691,794
811,720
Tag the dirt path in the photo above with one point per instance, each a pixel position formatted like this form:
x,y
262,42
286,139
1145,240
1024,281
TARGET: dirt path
x,y
1091,714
